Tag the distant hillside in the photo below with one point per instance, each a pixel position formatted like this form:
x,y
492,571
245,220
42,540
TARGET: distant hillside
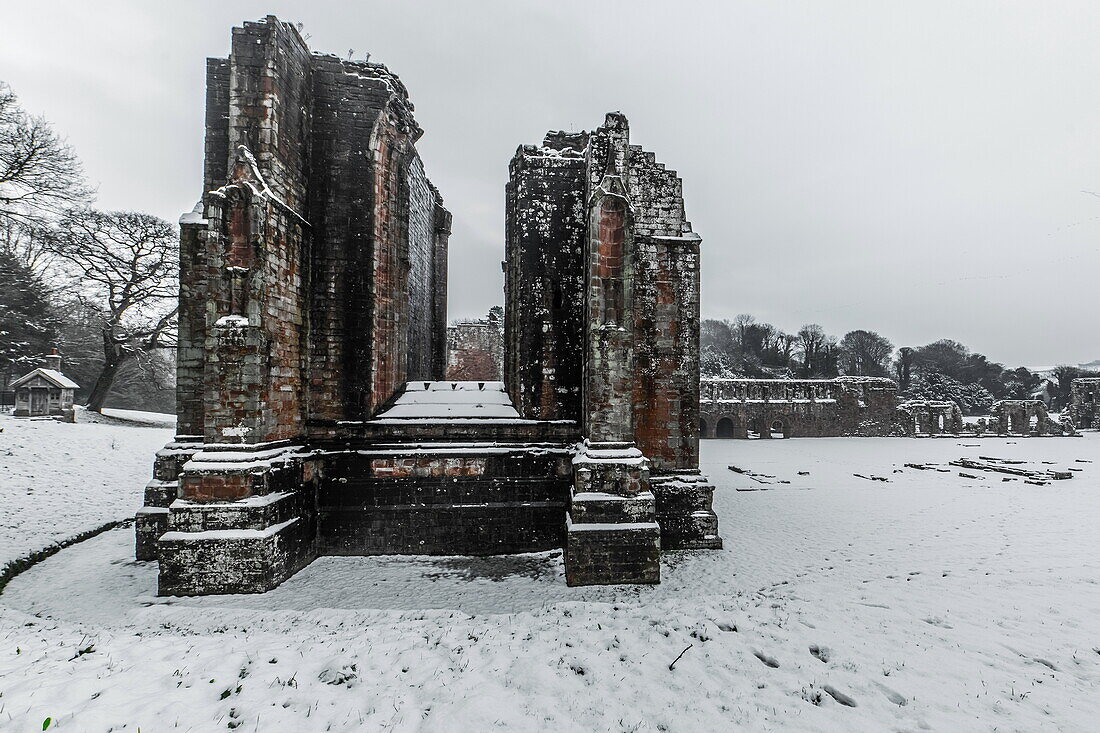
x,y
1048,371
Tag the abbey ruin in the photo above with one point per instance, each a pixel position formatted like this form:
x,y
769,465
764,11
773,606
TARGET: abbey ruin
x,y
860,407
313,415
1085,405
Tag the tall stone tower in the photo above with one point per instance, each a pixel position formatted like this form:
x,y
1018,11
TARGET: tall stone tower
x,y
313,286
602,327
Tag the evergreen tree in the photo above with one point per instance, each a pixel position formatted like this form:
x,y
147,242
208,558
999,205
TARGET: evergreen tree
x,y
29,325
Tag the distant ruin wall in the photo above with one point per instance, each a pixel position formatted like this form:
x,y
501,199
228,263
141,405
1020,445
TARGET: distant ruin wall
x,y
1085,403
799,408
475,349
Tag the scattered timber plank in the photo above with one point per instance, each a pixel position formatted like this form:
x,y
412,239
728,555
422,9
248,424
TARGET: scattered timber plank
x,y
750,474
1044,475
1001,460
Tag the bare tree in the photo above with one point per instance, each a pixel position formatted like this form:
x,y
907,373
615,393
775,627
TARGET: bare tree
x,y
39,173
128,264
865,354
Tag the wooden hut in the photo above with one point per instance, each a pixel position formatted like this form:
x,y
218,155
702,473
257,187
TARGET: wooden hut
x,y
45,391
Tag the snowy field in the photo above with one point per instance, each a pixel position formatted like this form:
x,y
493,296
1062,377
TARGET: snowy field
x,y
60,479
926,602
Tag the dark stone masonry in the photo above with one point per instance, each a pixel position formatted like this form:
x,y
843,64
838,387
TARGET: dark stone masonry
x,y
315,413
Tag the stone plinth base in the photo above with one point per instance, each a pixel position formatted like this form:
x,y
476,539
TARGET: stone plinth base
x,y
685,512
612,536
151,520
150,523
460,498
232,560
243,522
610,554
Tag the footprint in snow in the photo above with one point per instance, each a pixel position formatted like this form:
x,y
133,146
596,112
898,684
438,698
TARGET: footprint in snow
x,y
839,696
822,653
769,661
937,621
892,695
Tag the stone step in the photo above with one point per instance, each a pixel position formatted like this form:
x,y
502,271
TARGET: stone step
x,y
149,524
596,507
684,511
161,493
253,513
441,461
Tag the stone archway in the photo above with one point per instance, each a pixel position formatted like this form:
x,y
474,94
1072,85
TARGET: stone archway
x,y
703,428
725,428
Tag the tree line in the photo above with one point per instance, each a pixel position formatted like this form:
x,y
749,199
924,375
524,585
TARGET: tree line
x,y
942,370
100,286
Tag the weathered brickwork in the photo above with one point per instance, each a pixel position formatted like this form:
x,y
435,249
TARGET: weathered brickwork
x,y
602,326
475,349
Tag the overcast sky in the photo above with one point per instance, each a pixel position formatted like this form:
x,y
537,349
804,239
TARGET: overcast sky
x,y
914,168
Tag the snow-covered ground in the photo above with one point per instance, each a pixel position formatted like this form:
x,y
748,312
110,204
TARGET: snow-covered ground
x,y
926,602
60,479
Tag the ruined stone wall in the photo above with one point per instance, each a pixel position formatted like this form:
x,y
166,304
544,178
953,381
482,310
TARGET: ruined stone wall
x,y
347,106
1085,405
544,278
194,286
602,290
475,349
666,316
731,408
191,331
270,103
338,255
441,238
